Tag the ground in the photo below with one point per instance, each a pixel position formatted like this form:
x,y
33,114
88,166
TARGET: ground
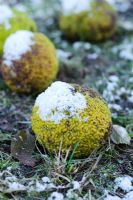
x,y
106,67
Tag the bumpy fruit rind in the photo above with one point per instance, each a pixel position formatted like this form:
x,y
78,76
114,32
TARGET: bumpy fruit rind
x,y
19,21
87,134
97,24
35,70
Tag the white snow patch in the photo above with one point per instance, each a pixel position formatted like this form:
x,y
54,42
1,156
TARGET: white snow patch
x,y
46,180
125,49
75,6
125,183
63,55
114,78
130,99
114,93
15,186
111,89
5,15
58,99
110,197
11,178
128,196
72,195
16,45
115,107
76,185
81,45
127,52
127,25
56,196
40,187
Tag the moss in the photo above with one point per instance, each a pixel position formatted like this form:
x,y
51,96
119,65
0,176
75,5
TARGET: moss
x,y
20,20
97,24
35,70
88,132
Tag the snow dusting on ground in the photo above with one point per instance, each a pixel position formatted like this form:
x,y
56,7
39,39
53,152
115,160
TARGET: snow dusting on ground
x,y
56,196
64,99
114,93
5,15
62,55
11,183
110,197
124,183
125,49
17,45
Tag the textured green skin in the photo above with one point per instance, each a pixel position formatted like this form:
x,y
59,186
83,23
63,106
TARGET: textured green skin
x,y
35,70
72,131
20,21
95,25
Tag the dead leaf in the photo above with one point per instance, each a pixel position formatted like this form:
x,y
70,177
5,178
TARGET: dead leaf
x,y
120,135
22,146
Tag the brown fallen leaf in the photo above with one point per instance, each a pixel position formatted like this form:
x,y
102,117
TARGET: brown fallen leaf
x,y
120,135
22,146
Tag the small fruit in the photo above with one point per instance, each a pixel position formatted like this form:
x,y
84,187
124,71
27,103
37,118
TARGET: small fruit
x,y
29,62
12,20
72,116
93,20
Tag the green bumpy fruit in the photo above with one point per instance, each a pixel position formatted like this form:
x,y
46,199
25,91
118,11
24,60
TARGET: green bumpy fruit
x,y
97,24
35,70
19,21
87,133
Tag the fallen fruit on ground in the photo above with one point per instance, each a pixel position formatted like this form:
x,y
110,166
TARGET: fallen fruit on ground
x,y
66,116
94,20
12,20
29,62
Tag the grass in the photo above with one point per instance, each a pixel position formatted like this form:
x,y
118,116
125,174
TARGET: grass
x,y
95,173
7,161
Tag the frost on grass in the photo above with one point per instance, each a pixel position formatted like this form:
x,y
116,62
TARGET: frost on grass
x,y
76,185
60,101
129,196
112,94
124,183
78,45
17,45
15,186
11,184
110,197
125,49
5,15
74,6
115,94
56,196
63,55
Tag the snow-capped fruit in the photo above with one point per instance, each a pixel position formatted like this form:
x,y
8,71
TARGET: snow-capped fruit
x,y
92,20
70,117
12,20
29,62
